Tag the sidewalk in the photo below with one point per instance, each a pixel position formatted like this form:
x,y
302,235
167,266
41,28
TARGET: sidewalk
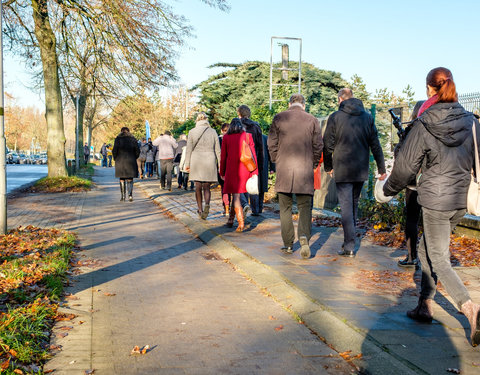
x,y
354,304
147,280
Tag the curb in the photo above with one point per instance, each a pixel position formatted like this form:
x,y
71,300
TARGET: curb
x,y
332,329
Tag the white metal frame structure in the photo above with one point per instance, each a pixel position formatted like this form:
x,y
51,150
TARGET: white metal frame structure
x,y
272,68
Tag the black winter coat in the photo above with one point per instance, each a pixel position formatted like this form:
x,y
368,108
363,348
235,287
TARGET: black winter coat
x,y
348,139
125,153
440,146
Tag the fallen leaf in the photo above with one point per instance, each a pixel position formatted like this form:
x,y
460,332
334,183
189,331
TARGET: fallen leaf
x,y
61,335
72,297
145,349
279,328
5,364
271,317
135,350
81,322
18,371
89,372
345,355
476,364
12,352
49,371
72,362
66,328
55,347
110,294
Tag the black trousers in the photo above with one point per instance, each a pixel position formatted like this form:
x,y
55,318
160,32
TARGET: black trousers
x,y
348,194
413,210
304,204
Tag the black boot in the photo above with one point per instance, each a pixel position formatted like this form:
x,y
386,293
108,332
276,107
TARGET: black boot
x,y
130,189
423,312
122,190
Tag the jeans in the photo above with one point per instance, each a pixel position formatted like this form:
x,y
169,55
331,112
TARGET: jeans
x,y
304,204
110,160
149,168
104,161
166,167
348,194
141,167
434,254
159,168
254,202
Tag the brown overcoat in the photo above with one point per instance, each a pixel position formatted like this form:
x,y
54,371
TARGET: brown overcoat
x,y
295,144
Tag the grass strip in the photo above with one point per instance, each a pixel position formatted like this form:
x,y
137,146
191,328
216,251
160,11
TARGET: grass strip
x,y
33,269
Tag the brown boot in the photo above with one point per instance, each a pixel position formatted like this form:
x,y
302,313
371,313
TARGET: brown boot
x,y
472,312
241,222
423,312
231,217
227,210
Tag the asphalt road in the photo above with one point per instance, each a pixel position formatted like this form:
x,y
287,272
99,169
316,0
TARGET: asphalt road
x,y
21,174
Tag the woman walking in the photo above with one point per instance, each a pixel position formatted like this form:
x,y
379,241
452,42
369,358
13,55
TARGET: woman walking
x,y
201,161
441,146
232,170
125,153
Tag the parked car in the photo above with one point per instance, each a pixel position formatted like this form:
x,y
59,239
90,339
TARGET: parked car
x,y
13,158
24,159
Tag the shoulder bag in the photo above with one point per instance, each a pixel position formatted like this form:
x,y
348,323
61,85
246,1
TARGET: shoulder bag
x,y
473,196
246,156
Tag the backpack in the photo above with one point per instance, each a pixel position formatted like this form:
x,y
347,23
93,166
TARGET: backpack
x,y
143,153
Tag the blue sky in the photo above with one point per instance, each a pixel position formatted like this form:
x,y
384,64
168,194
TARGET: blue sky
x,y
389,44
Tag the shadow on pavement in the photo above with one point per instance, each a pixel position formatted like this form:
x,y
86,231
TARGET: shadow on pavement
x,y
424,347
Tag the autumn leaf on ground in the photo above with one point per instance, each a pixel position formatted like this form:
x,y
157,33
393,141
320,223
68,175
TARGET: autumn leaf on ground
x,y
81,322
89,372
66,328
145,349
72,297
5,364
13,353
55,347
63,317
345,355
271,317
18,371
61,335
110,294
279,328
135,350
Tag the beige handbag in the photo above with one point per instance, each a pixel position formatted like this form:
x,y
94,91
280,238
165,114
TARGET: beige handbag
x,y
473,196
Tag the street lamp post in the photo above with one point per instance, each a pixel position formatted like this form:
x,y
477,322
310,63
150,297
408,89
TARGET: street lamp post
x,y
3,143
77,146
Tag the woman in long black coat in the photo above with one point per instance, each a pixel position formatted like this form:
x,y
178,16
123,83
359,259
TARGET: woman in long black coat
x,y
125,153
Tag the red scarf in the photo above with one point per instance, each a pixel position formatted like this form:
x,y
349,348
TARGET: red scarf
x,y
431,101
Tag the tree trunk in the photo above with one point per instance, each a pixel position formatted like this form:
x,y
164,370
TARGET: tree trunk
x,y
80,112
53,96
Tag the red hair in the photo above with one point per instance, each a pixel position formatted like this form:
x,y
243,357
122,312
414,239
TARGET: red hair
x,y
441,80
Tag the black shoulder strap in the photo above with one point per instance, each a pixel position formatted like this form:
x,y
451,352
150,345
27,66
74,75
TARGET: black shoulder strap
x,y
198,140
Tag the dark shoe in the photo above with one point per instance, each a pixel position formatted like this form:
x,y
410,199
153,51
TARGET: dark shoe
x,y
407,263
246,210
305,248
472,312
231,217
287,249
346,253
130,190
205,212
423,312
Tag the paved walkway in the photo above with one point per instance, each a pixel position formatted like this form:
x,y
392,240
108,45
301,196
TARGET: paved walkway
x,y
354,304
148,280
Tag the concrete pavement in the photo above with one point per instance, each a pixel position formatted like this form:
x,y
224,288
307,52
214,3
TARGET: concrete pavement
x,y
354,304
145,279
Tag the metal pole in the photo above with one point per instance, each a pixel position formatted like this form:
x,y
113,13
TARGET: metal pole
x,y
77,161
271,71
3,143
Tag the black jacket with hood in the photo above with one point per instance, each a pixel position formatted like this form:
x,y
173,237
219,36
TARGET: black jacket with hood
x,y
440,147
348,139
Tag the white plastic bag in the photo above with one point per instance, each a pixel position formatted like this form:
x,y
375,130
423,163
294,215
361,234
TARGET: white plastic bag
x,y
379,196
252,185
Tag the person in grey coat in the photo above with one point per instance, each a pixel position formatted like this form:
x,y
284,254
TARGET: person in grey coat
x,y
202,160
295,146
125,153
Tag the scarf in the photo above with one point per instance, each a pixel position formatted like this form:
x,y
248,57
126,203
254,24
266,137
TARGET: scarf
x,y
431,101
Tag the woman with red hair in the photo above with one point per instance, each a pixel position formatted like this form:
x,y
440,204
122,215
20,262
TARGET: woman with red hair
x,y
439,151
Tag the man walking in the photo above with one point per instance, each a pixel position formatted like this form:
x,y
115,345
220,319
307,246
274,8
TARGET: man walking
x,y
86,153
295,145
254,129
166,147
348,138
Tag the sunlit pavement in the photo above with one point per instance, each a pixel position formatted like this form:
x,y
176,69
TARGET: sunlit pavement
x,y
145,279
355,304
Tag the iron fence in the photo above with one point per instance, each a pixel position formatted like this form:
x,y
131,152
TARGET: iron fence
x,y
471,102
